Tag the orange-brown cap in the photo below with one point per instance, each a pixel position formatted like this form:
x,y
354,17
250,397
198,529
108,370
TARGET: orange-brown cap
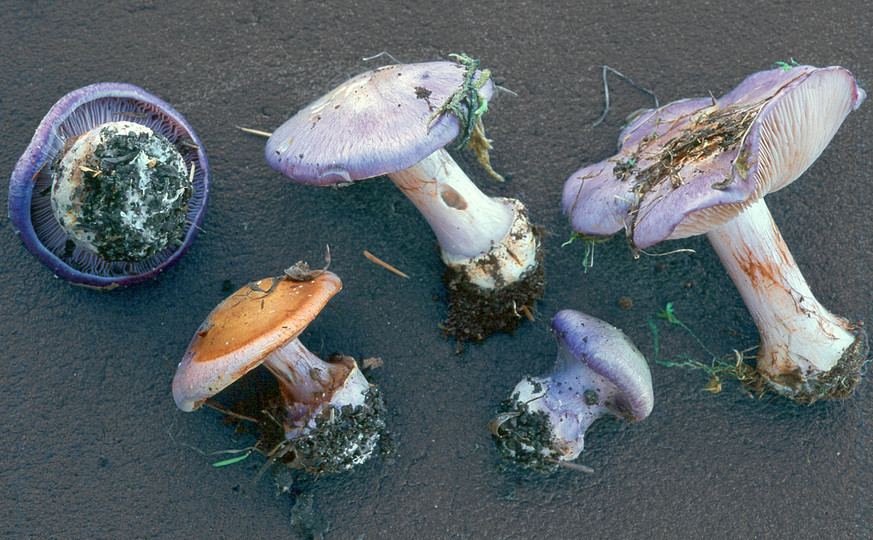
x,y
241,331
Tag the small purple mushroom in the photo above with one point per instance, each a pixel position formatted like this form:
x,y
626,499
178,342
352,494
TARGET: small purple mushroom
x,y
599,372
704,166
111,189
394,121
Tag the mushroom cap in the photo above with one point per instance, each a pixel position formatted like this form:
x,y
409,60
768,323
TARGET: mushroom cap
x,y
611,354
692,165
29,188
244,329
373,124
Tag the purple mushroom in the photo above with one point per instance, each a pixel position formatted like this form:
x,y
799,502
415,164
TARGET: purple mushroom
x,y
111,189
703,166
333,418
599,372
395,121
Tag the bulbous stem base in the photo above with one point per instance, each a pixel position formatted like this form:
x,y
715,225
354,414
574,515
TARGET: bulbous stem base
x,y
333,417
121,192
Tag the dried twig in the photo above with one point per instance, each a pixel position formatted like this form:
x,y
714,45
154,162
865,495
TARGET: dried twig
x,y
372,258
255,131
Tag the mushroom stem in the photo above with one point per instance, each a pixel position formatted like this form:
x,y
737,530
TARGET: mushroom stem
x,y
570,401
466,221
308,383
801,341
469,224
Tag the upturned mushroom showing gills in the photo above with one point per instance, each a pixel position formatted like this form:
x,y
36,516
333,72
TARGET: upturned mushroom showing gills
x,y
599,372
395,121
111,189
332,416
703,166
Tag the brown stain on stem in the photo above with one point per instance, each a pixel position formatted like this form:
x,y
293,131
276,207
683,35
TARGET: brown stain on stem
x,y
761,274
452,198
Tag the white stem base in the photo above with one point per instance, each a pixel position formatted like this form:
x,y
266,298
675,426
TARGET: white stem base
x,y
569,416
799,337
506,261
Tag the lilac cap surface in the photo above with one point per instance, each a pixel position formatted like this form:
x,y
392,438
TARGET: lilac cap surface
x,y
609,353
692,165
29,189
373,124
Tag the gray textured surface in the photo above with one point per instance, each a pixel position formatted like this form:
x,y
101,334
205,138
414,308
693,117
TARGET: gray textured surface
x,y
93,446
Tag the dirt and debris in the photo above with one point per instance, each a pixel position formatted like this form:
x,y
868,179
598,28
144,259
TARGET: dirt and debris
x,y
473,316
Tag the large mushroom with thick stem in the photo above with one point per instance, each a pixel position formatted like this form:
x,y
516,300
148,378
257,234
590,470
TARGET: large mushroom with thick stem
x,y
395,121
599,372
112,188
333,417
703,166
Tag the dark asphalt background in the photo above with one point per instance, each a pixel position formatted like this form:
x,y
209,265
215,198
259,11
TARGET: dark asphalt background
x,y
93,446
